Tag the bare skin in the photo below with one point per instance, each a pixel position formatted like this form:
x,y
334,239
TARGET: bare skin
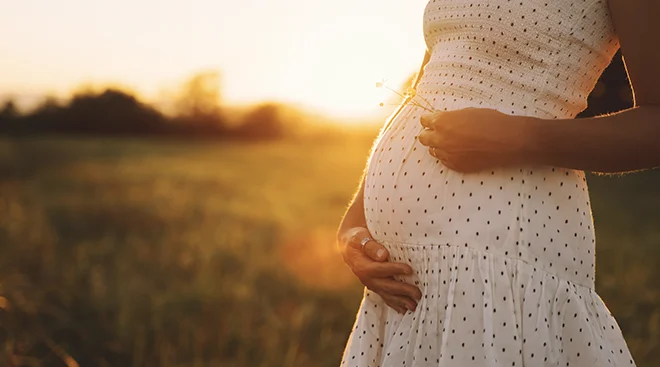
x,y
473,139
370,264
463,141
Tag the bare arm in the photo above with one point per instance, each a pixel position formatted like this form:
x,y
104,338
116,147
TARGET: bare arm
x,y
370,263
354,216
623,141
474,139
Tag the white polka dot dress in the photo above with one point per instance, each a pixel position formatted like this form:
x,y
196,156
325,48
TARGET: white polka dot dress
x,y
505,258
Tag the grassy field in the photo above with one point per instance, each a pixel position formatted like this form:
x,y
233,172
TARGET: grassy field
x,y
152,253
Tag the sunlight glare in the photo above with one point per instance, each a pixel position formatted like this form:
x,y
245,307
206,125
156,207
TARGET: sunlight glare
x,y
325,55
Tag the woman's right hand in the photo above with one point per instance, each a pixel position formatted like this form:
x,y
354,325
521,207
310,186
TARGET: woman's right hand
x,y
370,265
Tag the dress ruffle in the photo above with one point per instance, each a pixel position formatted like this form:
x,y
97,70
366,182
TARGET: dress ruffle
x,y
486,310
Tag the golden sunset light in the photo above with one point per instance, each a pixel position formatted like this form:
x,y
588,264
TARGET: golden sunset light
x,y
324,55
268,183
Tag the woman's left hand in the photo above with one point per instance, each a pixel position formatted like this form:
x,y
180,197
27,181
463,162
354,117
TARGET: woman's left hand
x,y
474,139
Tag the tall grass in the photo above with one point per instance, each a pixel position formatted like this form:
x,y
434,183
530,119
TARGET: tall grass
x,y
145,253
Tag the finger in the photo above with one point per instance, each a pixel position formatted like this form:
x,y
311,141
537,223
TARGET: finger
x,y
376,251
427,121
394,305
400,301
425,137
437,153
373,269
399,309
440,155
356,238
443,157
396,288
450,165
397,303
357,260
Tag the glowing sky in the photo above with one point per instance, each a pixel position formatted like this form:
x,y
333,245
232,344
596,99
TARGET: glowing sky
x,y
324,54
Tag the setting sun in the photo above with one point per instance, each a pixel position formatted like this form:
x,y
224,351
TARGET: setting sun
x,y
324,55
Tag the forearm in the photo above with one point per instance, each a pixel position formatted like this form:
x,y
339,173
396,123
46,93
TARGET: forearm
x,y
354,216
624,141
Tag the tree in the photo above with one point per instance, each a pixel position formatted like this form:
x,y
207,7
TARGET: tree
x,y
9,111
264,122
49,106
111,111
200,96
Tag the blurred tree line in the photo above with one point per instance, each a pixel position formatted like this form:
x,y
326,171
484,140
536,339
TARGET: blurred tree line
x,y
115,261
112,111
200,114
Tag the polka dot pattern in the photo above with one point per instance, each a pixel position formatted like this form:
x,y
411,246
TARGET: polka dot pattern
x,y
532,57
505,258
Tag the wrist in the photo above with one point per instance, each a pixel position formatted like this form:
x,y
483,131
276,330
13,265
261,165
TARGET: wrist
x,y
527,140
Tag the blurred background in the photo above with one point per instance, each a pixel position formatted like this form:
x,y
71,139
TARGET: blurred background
x,y
172,175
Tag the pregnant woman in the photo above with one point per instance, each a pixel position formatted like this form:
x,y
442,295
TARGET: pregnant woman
x,y
472,228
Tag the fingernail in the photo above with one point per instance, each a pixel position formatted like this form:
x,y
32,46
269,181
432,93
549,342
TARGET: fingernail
x,y
380,253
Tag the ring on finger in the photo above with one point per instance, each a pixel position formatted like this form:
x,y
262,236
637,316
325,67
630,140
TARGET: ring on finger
x,y
364,241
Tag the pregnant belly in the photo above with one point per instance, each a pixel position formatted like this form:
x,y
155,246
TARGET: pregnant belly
x,y
524,212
